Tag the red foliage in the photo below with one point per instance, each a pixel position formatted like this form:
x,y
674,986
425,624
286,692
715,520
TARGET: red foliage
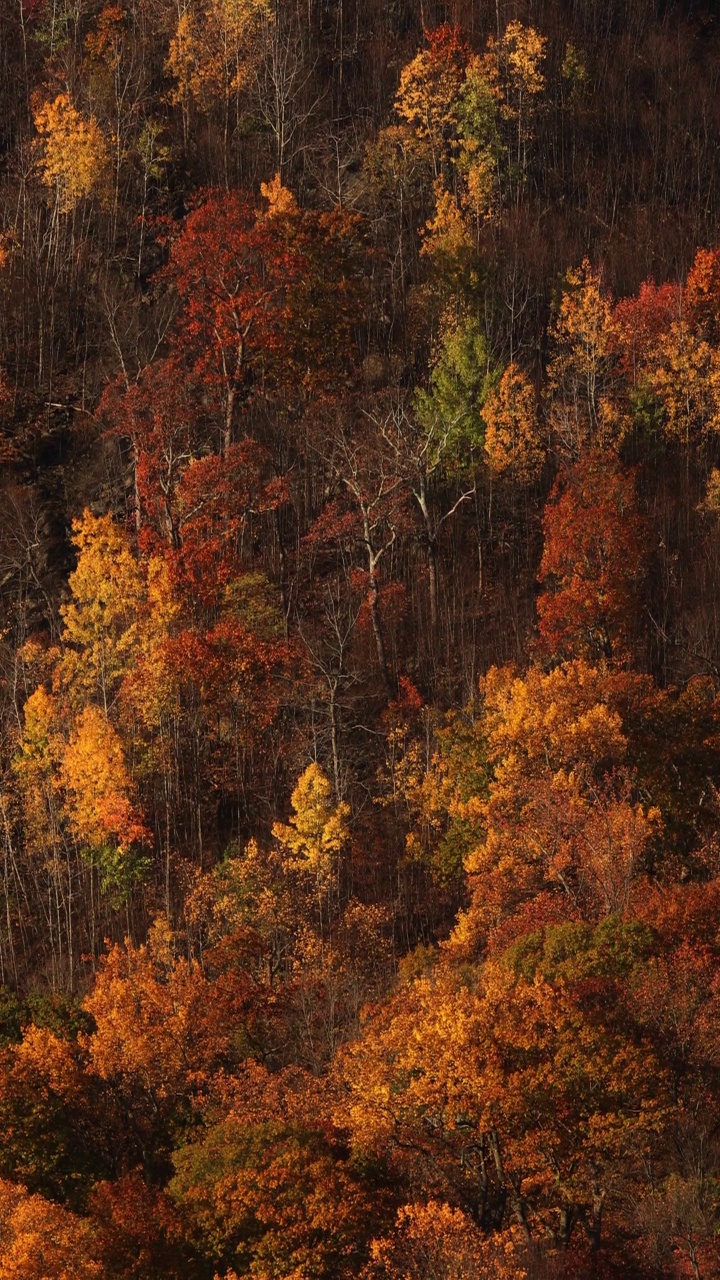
x,y
217,498
232,270
689,911
447,46
161,417
593,562
641,322
531,916
138,1227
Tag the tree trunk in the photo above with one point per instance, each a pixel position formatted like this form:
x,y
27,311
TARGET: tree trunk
x,y
374,603
432,559
513,1192
594,1229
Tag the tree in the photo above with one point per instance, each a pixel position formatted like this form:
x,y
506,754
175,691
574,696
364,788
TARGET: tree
x,y
162,1030
437,443
232,270
581,370
54,1132
437,781
214,51
515,64
519,1097
642,322
370,513
270,1185
435,1238
39,1239
74,159
513,445
163,422
217,500
100,621
593,562
317,832
561,815
701,293
139,1235
100,799
429,88
686,380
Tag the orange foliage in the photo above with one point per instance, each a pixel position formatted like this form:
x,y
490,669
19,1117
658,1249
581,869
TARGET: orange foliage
x,y
161,1027
99,787
530,1078
429,87
435,1239
561,814
42,1241
701,299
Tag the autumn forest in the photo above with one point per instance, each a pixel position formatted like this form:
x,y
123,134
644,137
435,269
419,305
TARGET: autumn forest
x,y
359,639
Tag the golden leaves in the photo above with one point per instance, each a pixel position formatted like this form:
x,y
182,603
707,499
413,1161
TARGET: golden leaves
x,y
74,155
584,345
560,813
512,438
685,377
281,200
521,54
446,236
99,786
215,49
430,84
453,104
318,830
436,1239
100,621
150,1012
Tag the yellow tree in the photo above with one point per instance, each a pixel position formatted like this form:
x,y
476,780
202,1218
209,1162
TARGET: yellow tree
x,y
560,815
99,802
582,363
74,156
446,239
515,64
214,53
686,380
428,92
311,844
513,443
438,779
439,1240
514,1094
35,770
318,829
520,55
100,622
